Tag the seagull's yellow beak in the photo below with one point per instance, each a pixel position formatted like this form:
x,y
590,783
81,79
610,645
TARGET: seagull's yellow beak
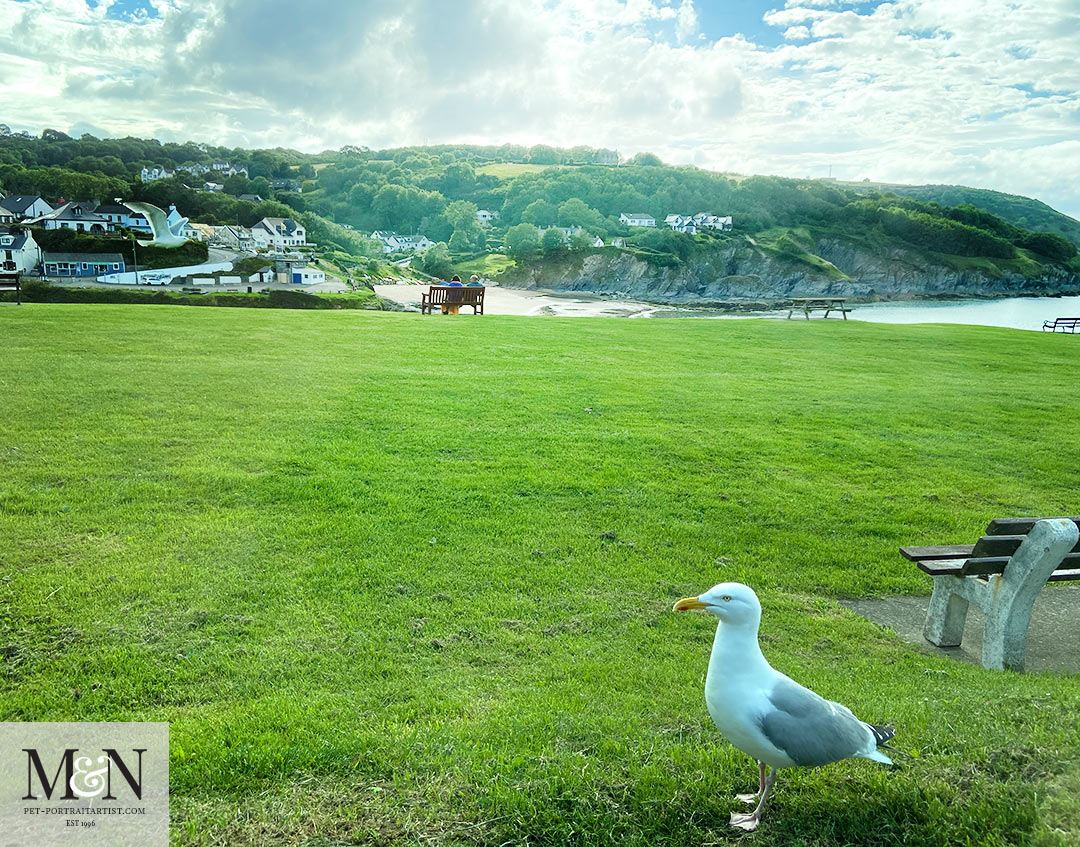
x,y
688,603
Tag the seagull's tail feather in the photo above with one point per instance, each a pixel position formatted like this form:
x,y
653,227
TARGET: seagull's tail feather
x,y
881,733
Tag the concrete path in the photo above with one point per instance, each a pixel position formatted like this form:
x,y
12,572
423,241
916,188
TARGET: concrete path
x,y
1053,642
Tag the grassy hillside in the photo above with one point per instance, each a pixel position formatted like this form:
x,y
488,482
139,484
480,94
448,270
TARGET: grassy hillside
x,y
380,600
1025,212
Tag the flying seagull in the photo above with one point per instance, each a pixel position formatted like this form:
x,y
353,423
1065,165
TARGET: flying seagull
x,y
766,714
164,236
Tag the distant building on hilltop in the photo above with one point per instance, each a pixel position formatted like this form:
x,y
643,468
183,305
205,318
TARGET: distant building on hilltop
x,y
486,216
637,219
152,174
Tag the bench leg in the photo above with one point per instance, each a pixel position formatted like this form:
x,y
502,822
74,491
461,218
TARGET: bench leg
x,y
947,614
1013,593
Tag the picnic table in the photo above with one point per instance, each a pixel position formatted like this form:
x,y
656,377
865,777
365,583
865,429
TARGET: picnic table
x,y
813,304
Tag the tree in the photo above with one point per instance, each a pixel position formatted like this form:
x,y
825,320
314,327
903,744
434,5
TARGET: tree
x,y
649,159
461,214
436,261
460,242
523,241
574,212
541,213
553,242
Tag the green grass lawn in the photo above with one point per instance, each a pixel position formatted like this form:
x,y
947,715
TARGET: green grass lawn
x,y
488,265
405,580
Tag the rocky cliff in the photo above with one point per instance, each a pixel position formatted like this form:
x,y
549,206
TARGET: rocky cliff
x,y
740,270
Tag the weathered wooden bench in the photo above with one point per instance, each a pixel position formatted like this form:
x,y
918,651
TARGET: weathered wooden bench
x,y
450,298
10,282
1002,573
1063,324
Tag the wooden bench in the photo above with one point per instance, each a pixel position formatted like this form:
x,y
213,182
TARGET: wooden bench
x,y
10,282
450,298
813,304
1064,324
1002,573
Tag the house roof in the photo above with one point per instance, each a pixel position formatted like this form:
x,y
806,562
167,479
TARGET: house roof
x,y
19,238
74,211
89,258
278,226
19,203
641,215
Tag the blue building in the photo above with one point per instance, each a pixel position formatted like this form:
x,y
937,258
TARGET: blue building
x,y
82,264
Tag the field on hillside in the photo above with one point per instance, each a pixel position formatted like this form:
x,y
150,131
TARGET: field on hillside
x,y
405,580
509,170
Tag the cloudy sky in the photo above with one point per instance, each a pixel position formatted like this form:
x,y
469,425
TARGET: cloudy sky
x,y
978,92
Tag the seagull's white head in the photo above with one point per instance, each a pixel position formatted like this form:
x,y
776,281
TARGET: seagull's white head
x,y
732,602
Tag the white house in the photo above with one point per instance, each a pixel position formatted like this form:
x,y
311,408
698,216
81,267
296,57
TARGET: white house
x,y
77,216
228,169
235,236
637,219
19,207
214,187
118,215
194,169
681,223
19,252
598,242
279,232
306,276
152,174
394,243
707,220
486,216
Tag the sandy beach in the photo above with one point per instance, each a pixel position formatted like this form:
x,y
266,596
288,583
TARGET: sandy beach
x,y
515,301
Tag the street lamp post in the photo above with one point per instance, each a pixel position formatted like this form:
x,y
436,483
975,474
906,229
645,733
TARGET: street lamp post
x,y
134,252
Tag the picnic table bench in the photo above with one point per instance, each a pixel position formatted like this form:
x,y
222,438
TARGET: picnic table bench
x,y
1064,324
813,304
450,298
1002,573
10,282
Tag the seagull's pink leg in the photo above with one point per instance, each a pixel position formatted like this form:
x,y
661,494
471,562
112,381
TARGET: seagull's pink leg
x,y
750,822
753,798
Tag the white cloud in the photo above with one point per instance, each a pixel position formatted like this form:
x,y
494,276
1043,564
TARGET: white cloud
x,y
983,93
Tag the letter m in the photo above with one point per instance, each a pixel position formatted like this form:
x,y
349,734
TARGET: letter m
x,y
33,763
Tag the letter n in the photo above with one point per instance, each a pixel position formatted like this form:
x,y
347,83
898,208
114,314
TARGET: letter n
x,y
114,759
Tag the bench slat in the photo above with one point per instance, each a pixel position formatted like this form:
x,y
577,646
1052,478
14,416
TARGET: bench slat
x,y
1065,575
1018,526
996,564
940,551
938,567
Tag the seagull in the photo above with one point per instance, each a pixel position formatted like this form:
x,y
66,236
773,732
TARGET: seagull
x,y
164,235
766,714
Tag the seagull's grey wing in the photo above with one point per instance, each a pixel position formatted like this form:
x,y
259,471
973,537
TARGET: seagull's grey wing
x,y
177,228
159,224
810,729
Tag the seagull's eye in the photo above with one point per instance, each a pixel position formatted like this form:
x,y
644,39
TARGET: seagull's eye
x,y
726,598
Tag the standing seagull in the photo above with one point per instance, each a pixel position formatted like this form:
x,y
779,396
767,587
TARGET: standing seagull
x,y
768,715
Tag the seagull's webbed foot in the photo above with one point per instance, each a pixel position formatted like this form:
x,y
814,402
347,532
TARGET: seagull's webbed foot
x,y
747,822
